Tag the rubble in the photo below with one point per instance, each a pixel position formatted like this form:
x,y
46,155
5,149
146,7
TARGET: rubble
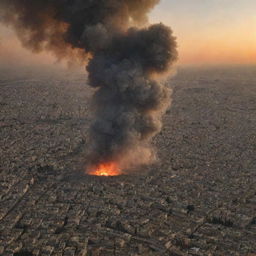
x,y
198,199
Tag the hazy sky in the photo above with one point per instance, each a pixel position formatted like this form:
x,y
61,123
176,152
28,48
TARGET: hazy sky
x,y
208,32
211,31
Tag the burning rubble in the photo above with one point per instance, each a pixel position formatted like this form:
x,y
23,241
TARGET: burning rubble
x,y
105,169
126,60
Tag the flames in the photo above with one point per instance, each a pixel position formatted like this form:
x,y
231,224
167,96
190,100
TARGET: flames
x,y
105,169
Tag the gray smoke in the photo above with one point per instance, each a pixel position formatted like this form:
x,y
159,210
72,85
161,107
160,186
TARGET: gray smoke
x,y
124,65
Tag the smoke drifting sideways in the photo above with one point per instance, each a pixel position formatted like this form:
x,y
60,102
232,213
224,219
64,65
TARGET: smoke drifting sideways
x,y
125,59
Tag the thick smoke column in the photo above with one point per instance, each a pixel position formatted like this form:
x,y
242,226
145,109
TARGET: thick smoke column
x,y
124,65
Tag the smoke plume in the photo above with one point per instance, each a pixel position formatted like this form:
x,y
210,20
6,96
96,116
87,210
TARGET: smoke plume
x,y
126,57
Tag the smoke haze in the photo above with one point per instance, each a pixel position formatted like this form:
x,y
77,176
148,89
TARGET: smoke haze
x,y
124,55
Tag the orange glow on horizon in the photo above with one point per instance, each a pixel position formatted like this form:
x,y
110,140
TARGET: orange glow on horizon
x,y
219,47
215,44
219,53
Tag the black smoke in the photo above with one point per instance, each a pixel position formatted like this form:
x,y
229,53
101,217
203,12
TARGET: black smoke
x,y
126,58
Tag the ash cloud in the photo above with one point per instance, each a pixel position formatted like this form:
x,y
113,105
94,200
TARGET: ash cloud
x,y
124,56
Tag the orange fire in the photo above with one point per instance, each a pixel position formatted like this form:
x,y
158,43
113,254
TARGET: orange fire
x,y
106,169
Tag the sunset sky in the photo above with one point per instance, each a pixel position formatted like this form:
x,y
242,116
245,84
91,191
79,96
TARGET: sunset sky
x,y
208,32
211,31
